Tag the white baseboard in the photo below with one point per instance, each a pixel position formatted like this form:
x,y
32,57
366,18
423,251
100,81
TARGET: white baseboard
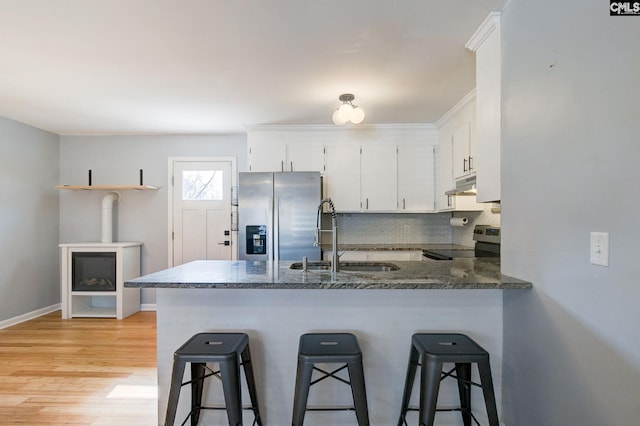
x,y
29,316
148,307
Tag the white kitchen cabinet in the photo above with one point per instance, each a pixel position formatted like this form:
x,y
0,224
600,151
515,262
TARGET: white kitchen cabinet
x,y
392,178
393,173
416,177
463,150
378,178
444,173
282,157
305,157
267,157
342,178
455,128
486,44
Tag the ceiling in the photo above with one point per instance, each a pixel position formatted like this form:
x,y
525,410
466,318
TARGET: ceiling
x,y
218,66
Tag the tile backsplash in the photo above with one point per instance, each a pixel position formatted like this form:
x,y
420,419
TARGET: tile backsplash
x,y
383,228
407,228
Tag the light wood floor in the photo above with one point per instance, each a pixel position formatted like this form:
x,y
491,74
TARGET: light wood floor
x,y
81,371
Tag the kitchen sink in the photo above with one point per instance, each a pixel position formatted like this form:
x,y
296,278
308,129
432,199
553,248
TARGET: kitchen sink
x,y
348,266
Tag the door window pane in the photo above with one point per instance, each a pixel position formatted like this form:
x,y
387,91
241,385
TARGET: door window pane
x,y
202,185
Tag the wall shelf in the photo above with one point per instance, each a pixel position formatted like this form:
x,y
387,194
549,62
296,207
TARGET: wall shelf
x,y
107,187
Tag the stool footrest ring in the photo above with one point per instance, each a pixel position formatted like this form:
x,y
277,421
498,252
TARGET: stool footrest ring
x,y
331,408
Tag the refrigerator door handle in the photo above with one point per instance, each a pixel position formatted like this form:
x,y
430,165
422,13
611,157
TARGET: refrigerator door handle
x,y
270,229
276,229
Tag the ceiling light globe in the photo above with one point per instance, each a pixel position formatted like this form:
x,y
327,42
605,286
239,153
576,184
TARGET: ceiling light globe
x,y
337,119
345,111
357,115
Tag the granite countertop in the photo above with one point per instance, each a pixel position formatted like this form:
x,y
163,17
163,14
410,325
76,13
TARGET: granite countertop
x,y
477,273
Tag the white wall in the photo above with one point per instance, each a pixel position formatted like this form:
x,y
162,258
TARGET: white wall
x,y
570,151
29,271
116,160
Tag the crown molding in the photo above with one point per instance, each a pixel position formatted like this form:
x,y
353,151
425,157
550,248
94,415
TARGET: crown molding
x,y
469,97
491,22
343,128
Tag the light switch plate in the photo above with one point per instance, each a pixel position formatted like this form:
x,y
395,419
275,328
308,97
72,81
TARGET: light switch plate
x,y
599,248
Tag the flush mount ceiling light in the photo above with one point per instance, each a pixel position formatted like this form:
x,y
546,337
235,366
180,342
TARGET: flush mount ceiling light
x,y
347,112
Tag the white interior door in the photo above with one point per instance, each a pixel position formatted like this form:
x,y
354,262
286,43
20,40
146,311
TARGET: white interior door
x,y
201,211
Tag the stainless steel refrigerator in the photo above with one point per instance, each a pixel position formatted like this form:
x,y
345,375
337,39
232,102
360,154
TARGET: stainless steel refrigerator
x,y
277,215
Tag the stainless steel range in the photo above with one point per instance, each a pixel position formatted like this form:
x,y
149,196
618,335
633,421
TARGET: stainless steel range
x,y
487,244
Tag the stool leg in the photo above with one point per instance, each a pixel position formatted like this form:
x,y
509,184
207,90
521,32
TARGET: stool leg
x,y
358,390
484,368
251,383
174,391
198,372
429,388
301,393
230,374
408,383
463,371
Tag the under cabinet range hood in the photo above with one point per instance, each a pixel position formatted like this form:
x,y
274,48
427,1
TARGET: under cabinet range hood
x,y
466,186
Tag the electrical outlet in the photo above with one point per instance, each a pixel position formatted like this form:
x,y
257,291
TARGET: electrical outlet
x,y
407,229
599,252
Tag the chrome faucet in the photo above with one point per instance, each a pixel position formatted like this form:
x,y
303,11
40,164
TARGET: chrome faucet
x,y
334,231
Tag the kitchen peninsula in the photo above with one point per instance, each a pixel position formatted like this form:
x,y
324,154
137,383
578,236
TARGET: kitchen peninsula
x,y
275,304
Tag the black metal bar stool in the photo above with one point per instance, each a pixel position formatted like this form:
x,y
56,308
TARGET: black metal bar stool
x,y
320,348
223,349
431,350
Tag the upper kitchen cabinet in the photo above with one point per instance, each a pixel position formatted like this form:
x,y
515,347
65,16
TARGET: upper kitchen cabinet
x,y
378,178
444,172
367,168
342,178
416,177
455,133
392,178
271,150
305,157
464,149
267,157
486,44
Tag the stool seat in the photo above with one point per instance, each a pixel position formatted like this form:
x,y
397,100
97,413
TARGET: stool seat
x,y
223,349
213,346
327,348
431,351
449,347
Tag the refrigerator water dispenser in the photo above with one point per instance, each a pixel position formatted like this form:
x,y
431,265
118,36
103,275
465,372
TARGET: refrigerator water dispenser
x,y
256,239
